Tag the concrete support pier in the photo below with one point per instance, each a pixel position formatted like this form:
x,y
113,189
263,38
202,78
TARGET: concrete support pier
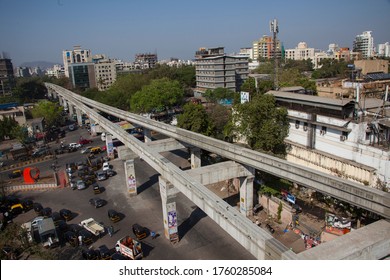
x,y
195,157
168,196
79,115
110,146
131,181
147,135
246,192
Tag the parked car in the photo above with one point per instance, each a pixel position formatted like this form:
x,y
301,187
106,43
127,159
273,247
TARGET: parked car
x,y
101,175
97,202
74,145
91,254
113,215
87,236
96,188
80,185
110,172
85,141
46,212
66,214
106,166
140,232
86,150
57,218
28,204
38,208
72,238
15,174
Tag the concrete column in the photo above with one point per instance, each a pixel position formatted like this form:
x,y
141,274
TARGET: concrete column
x,y
110,146
131,181
147,135
246,193
61,101
71,110
79,115
93,127
195,157
168,196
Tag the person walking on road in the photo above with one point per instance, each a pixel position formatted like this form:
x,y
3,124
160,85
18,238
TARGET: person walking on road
x,y
110,230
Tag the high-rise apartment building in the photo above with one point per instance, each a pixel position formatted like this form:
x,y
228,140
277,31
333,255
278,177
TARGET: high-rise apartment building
x,y
214,69
364,43
77,55
384,50
7,78
264,48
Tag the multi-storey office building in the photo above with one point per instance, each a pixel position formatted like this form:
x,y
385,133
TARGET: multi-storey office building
x,y
214,69
77,55
264,48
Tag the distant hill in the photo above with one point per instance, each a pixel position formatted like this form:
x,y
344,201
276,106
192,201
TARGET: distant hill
x,y
41,64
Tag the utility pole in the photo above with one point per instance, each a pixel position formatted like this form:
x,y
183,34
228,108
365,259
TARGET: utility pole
x,y
274,28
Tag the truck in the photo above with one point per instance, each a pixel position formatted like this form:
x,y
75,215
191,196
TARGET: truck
x,y
47,233
19,153
129,247
92,226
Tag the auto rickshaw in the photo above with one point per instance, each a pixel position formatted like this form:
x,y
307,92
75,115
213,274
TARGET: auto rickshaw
x,y
140,231
113,215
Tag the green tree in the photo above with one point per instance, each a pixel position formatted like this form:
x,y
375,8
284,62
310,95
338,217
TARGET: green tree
x,y
30,89
49,110
158,95
7,124
219,117
20,133
331,68
218,94
195,118
261,123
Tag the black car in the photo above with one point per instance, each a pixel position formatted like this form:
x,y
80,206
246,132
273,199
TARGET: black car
x,y
57,218
91,254
110,173
96,188
104,252
75,228
113,215
97,202
46,212
118,256
66,214
140,232
71,238
87,237
38,208
28,204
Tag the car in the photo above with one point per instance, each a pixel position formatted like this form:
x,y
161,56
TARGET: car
x,y
85,141
110,173
38,208
87,237
113,215
17,209
73,184
140,232
28,204
86,150
57,218
106,166
97,202
96,188
15,174
74,145
81,185
104,252
118,256
91,254
101,175
75,228
46,212
72,238
66,214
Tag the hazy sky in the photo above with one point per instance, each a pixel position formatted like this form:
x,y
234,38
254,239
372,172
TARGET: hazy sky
x,y
32,30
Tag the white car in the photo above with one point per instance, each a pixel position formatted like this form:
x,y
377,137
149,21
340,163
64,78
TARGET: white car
x,y
106,166
74,145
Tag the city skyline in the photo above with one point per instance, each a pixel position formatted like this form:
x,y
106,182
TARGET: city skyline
x,y
41,30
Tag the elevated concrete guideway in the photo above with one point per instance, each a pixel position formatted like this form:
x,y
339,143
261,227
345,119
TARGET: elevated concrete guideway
x,y
256,240
367,198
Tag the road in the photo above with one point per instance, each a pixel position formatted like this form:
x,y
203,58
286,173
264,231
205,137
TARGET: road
x,y
200,237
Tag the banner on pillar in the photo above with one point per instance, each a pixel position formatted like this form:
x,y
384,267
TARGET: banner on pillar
x,y
110,146
131,180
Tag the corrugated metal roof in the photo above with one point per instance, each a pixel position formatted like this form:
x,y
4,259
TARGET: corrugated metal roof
x,y
310,98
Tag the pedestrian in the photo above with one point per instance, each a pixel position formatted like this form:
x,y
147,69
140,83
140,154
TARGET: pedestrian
x,y
153,234
80,240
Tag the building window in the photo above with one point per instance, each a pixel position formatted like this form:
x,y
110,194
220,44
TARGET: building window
x,y
297,124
